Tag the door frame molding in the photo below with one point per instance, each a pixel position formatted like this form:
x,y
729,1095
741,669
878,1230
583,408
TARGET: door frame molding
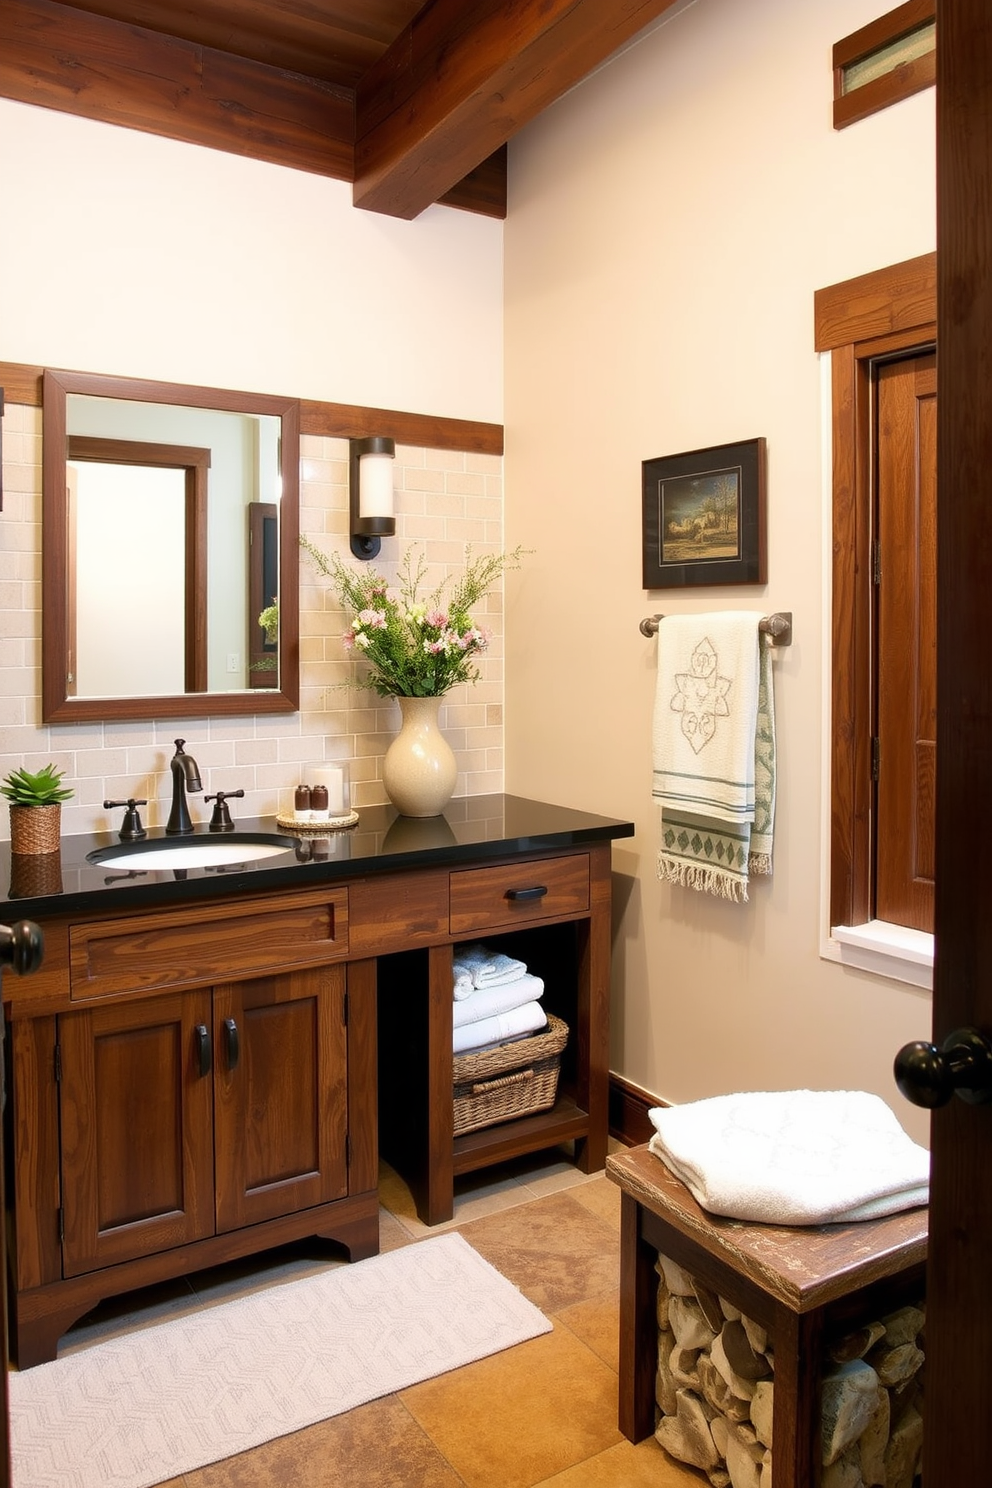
x,y
883,313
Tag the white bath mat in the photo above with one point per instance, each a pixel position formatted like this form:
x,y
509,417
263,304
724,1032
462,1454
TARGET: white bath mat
x,y
146,1407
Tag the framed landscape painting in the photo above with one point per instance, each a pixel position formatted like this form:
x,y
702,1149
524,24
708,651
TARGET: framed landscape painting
x,y
703,517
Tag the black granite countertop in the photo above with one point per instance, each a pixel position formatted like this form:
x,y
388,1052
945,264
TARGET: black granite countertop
x,y
472,828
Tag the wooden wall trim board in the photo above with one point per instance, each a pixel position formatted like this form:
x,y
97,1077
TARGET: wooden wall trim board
x,y
59,57
22,384
629,1107
907,78
899,297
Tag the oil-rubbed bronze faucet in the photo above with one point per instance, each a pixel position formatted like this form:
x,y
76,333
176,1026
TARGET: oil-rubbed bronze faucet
x,y
185,776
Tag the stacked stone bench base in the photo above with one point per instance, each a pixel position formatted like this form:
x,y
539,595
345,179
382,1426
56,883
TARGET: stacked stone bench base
x,y
715,1392
796,1297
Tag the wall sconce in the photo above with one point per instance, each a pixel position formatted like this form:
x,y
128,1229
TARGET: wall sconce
x,y
371,494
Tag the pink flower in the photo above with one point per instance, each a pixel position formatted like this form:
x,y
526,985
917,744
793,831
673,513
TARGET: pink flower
x,y
436,619
374,619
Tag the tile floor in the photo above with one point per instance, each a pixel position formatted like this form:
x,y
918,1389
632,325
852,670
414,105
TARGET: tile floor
x,y
543,1413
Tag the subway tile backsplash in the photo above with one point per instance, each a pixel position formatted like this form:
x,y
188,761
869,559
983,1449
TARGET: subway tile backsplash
x,y
444,500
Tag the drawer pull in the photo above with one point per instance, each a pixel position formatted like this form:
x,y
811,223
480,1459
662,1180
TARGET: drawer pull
x,y
520,896
204,1052
233,1043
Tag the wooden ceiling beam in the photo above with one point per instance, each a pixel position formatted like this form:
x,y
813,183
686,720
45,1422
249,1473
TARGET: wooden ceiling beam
x,y
463,77
61,57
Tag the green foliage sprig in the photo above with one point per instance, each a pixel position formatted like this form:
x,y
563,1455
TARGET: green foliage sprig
x,y
43,788
413,646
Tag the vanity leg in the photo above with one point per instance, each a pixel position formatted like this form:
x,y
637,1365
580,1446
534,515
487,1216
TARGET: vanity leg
x,y
593,1012
435,1204
416,1094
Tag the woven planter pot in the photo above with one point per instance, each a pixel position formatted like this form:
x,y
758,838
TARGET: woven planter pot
x,y
35,829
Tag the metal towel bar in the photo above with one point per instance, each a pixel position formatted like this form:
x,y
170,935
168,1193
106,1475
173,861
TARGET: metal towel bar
x,y
778,626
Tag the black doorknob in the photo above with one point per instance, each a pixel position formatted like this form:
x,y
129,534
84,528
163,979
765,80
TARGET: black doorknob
x,y
21,947
928,1076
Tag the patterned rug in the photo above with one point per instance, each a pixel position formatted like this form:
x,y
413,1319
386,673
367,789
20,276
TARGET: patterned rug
x,y
148,1406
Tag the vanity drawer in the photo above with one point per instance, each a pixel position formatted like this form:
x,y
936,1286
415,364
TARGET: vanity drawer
x,y
212,943
517,893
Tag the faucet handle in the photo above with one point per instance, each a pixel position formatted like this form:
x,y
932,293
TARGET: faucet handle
x,y
131,830
220,820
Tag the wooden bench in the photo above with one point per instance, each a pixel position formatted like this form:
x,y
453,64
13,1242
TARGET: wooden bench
x,y
807,1286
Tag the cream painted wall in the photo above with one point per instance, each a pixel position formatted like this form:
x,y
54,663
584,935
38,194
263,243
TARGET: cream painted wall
x,y
669,222
129,254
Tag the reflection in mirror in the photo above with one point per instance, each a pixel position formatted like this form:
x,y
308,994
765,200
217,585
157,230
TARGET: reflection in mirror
x,y
170,523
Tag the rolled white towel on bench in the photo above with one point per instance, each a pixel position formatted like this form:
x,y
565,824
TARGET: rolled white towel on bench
x,y
488,1001
500,1028
793,1157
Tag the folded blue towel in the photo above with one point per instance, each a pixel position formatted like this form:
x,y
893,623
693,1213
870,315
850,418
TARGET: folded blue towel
x,y
477,965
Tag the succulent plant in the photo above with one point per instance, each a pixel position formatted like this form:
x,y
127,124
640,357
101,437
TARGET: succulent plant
x,y
22,788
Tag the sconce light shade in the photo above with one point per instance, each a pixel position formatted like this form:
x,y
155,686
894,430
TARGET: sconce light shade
x,y
371,482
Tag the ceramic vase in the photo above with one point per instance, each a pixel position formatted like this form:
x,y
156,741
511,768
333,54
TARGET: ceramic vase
x,y
419,769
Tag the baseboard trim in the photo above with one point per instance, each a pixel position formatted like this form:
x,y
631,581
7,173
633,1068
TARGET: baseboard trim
x,y
629,1106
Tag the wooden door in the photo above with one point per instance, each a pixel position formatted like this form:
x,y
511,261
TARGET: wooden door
x,y
958,1424
281,1112
136,1128
906,646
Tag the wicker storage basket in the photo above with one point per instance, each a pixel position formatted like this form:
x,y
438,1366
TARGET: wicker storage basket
x,y
515,1079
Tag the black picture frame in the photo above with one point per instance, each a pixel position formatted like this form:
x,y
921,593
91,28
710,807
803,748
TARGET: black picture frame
x,y
703,517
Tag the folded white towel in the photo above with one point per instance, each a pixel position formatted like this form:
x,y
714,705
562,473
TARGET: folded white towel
x,y
477,965
793,1157
488,1001
502,1026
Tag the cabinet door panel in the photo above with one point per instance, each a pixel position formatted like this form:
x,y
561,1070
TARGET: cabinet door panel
x,y
280,1095
137,1159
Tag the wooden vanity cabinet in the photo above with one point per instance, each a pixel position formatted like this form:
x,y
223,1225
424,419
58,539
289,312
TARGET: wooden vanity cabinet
x,y
157,1133
201,1112
206,1079
552,912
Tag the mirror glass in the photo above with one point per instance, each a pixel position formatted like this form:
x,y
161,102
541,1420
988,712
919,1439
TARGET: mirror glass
x,y
170,524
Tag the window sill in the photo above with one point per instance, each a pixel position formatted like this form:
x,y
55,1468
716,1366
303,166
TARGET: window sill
x,y
888,950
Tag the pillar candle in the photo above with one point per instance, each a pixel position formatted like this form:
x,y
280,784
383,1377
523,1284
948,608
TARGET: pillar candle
x,y
336,780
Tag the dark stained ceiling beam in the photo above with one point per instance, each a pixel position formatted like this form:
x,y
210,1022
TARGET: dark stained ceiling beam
x,y
463,77
67,58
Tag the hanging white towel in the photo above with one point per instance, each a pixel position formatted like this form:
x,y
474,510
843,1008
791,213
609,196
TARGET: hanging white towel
x,y
488,1001
793,1157
501,1027
713,745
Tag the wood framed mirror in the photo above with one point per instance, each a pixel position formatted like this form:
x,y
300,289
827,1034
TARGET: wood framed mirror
x,y
170,520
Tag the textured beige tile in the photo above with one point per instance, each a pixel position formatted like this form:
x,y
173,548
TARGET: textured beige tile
x,y
597,1323
557,1251
518,1417
376,1446
602,1197
626,1466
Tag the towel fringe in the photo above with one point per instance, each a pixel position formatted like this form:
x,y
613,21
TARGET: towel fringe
x,y
709,880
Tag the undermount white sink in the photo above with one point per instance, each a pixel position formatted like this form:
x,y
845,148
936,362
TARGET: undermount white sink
x,y
202,853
